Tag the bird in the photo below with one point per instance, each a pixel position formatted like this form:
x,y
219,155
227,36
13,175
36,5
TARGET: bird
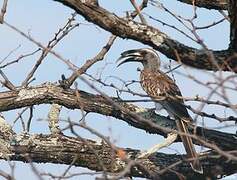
x,y
166,95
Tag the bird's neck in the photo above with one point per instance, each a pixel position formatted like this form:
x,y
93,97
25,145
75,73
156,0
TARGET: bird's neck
x,y
151,66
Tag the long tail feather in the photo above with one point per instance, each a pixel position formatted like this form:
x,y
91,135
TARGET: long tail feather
x,y
189,147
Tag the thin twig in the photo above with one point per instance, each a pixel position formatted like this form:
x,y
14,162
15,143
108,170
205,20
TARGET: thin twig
x,y
19,58
62,32
29,120
89,63
66,61
7,83
137,8
3,11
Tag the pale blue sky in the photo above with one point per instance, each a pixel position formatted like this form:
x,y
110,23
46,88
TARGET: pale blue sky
x,y
41,19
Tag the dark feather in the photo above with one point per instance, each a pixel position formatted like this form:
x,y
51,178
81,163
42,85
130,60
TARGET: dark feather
x,y
189,147
166,88
162,88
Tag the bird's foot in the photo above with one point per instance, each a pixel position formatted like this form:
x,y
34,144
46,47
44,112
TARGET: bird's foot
x,y
64,82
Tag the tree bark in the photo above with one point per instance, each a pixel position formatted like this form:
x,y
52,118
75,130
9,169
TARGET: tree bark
x,y
233,25
209,4
99,156
50,93
153,37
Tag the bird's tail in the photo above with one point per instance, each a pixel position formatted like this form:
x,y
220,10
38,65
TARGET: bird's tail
x,y
189,146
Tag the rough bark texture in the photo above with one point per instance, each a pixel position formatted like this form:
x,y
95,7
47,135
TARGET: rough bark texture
x,y
154,38
233,24
50,93
209,4
99,156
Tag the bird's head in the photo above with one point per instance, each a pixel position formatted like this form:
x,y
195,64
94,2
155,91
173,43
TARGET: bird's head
x,y
147,56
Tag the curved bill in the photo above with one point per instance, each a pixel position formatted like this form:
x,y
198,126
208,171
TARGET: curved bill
x,y
129,56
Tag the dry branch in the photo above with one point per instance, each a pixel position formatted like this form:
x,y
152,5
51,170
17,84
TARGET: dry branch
x,y
50,93
153,37
101,156
65,150
233,24
209,4
3,11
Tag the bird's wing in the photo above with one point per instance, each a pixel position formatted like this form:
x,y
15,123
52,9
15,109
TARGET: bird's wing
x,y
173,104
158,85
166,87
176,107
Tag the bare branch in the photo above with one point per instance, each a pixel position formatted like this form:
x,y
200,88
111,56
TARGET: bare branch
x,y
154,38
65,150
233,25
100,56
7,83
209,4
104,158
53,116
19,58
137,8
62,32
40,45
3,11
95,103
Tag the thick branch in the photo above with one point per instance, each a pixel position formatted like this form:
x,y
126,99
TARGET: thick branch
x,y
49,93
209,4
233,24
91,154
153,37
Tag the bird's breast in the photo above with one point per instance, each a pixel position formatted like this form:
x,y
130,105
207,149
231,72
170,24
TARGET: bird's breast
x,y
150,84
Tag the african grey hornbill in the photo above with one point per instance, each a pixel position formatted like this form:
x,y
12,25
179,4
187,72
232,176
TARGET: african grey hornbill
x,y
163,90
